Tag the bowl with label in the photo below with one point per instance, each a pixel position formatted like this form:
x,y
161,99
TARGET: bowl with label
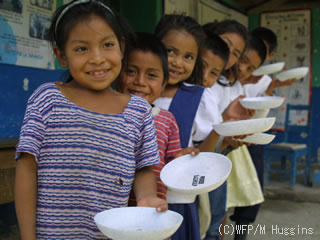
x,y
188,176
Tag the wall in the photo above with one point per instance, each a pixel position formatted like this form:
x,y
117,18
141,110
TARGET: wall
x,y
254,21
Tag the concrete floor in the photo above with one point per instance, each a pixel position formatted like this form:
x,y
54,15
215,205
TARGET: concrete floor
x,y
283,219
286,214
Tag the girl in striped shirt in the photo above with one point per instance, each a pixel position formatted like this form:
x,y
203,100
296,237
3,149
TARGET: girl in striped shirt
x,y
83,146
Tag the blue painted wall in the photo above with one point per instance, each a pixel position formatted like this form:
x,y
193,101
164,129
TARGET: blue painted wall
x,y
13,97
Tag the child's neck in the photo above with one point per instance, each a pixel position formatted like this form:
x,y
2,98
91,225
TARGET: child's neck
x,y
170,91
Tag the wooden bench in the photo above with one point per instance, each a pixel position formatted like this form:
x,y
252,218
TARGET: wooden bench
x,y
7,169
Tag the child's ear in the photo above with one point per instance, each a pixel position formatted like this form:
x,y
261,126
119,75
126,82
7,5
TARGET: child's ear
x,y
60,56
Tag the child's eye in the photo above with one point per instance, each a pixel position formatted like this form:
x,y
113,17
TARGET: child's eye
x,y
108,44
236,54
152,75
80,49
189,57
215,74
250,69
170,51
130,72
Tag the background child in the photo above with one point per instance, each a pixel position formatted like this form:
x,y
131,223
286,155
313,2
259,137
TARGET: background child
x,y
235,35
77,155
260,85
243,184
182,36
145,75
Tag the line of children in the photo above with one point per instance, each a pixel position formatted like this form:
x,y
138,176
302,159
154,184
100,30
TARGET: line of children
x,y
235,35
78,155
243,184
258,86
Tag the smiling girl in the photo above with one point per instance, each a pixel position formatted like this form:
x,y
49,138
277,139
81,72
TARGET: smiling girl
x,y
83,146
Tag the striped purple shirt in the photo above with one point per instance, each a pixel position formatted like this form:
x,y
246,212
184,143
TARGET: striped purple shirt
x,y
86,160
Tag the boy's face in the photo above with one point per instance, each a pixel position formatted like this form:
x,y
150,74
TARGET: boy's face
x,y
144,76
212,67
249,62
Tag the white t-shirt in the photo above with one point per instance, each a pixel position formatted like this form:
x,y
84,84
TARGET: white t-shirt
x,y
226,94
207,115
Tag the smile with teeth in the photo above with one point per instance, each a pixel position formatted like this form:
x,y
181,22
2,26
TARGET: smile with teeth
x,y
137,93
174,72
98,73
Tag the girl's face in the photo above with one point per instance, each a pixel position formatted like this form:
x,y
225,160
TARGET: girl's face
x,y
92,54
144,76
236,46
182,54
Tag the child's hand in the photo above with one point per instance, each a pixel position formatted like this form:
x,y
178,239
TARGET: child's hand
x,y
236,111
233,142
189,150
153,201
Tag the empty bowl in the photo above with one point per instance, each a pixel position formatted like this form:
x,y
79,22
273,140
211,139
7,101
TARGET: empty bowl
x,y
296,73
244,127
258,138
188,176
266,102
137,223
268,69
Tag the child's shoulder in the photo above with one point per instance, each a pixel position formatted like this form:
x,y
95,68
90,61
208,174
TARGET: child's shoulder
x,y
163,116
137,109
43,91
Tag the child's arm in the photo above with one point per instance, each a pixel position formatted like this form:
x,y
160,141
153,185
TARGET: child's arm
x,y
145,190
276,83
26,195
210,143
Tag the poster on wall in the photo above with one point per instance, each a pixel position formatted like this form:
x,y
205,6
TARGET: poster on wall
x,y
209,11
24,28
293,30
177,6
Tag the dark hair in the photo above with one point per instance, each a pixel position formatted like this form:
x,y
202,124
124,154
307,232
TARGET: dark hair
x,y
148,42
268,36
186,23
68,15
217,46
256,44
228,26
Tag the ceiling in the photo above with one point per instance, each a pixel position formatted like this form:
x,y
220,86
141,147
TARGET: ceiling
x,y
252,6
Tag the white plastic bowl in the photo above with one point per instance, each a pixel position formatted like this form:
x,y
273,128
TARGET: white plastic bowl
x,y
261,113
266,102
259,138
244,127
296,73
268,69
188,176
137,223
